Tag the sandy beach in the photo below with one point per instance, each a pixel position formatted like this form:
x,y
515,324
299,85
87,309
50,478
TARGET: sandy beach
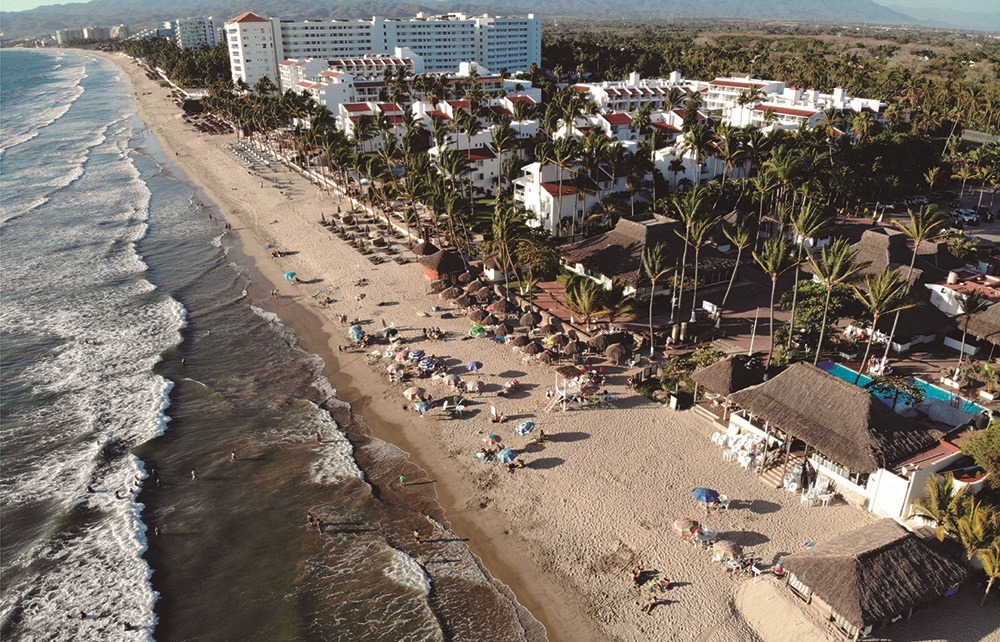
x,y
597,499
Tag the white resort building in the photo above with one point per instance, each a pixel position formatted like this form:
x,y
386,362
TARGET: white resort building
x,y
195,33
257,45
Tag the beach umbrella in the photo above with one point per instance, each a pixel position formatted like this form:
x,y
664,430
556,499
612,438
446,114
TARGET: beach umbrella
x,y
477,315
533,348
450,293
569,372
427,363
598,342
503,329
616,352
520,341
575,347
439,286
685,527
389,332
414,392
529,319
422,406
491,319
402,355
507,455
464,277
473,286
727,547
706,495
356,333
474,366
545,357
500,307
476,331
451,380
551,328
395,368
525,427
415,355
289,276
492,439
465,300
484,293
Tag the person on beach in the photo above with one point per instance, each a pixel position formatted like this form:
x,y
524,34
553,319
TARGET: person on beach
x,y
194,475
650,604
90,489
402,480
637,576
319,437
232,455
310,520
319,526
274,293
416,536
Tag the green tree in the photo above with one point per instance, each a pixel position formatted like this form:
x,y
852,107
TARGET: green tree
x,y
775,258
836,264
883,294
977,527
808,224
896,387
941,505
584,298
656,264
990,557
742,236
972,303
616,302
984,447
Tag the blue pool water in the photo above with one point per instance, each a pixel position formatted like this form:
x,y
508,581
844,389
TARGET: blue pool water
x,y
930,391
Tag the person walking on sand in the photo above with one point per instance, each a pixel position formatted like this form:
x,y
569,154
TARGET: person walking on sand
x,y
232,455
402,480
319,437
194,475
416,536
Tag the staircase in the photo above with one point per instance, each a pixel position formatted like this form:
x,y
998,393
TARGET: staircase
x,y
773,475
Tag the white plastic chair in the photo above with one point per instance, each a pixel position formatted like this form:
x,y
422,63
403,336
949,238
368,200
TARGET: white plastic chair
x,y
724,502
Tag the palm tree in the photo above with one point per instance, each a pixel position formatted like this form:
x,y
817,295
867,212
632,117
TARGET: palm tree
x,y
926,224
990,557
972,303
616,302
584,297
963,173
688,208
701,234
775,259
741,237
836,264
656,265
942,505
883,294
504,139
564,154
809,223
697,140
977,526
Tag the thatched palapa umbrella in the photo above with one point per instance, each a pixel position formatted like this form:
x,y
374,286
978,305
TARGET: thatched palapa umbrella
x,y
520,341
477,315
559,340
439,286
474,285
491,319
530,319
465,300
503,329
501,306
450,293
598,342
616,352
545,357
533,348
425,248
484,293
574,348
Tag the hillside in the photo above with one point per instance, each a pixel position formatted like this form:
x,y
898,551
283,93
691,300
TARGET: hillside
x,y
109,12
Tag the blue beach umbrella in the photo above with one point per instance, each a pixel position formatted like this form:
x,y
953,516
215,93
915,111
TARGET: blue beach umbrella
x,y
492,438
422,406
427,363
525,427
474,366
416,355
289,276
706,495
356,333
268,246
507,455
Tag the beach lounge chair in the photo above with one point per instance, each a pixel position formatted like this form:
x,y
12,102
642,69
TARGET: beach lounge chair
x,y
724,502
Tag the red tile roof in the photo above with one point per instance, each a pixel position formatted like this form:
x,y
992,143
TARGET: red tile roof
x,y
390,107
619,118
743,84
568,189
665,126
355,107
248,16
521,98
460,104
787,111
480,153
437,113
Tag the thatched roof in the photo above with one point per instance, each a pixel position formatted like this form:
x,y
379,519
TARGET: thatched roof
x,y
444,262
843,421
875,573
986,324
728,375
889,249
618,252
425,248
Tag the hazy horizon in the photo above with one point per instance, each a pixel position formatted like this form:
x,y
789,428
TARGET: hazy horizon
x,y
979,6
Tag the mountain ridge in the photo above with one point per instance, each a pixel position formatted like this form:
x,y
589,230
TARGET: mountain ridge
x,y
109,12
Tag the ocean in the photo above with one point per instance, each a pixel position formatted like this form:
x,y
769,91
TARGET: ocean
x,y
136,346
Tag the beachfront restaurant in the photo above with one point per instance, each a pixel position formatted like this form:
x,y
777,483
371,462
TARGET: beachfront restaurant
x,y
870,577
816,434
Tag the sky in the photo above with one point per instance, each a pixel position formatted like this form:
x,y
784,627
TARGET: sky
x,y
986,6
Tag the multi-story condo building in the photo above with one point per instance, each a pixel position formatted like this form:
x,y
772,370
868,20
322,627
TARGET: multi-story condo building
x,y
258,45
97,33
195,33
65,36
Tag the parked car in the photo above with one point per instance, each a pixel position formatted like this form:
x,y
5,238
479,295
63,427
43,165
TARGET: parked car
x,y
966,216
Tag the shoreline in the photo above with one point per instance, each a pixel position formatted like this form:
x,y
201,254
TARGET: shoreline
x,y
559,611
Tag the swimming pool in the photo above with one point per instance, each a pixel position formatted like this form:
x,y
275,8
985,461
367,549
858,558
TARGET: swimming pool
x,y
930,391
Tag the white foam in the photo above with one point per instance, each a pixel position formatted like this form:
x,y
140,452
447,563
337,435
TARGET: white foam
x,y
336,461
405,570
